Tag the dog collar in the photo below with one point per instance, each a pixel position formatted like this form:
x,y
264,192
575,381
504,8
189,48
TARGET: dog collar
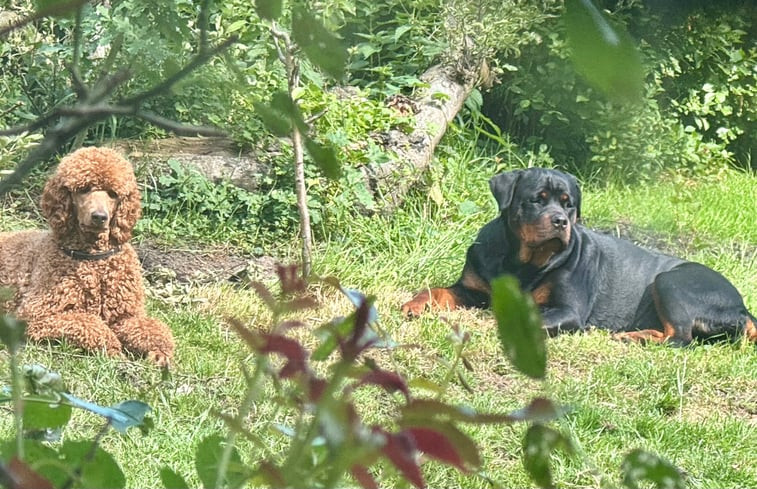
x,y
86,256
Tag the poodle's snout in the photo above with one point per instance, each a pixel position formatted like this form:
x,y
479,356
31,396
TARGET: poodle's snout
x,y
94,208
99,217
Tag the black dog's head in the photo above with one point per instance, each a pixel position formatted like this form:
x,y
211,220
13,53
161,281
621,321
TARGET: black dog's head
x,y
540,206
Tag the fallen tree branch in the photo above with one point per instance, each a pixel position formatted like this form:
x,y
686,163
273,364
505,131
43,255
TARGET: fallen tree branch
x,y
447,90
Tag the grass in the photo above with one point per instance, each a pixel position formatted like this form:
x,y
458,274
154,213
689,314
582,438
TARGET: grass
x,y
697,407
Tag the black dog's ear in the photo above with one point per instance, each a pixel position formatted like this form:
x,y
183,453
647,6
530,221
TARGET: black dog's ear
x,y
503,187
575,191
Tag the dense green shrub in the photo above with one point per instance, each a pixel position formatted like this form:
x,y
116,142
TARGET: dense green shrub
x,y
697,113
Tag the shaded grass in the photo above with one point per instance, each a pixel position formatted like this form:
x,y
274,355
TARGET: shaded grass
x,y
696,406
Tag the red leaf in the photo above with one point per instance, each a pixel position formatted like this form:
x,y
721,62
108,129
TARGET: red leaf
x,y
390,381
290,349
363,477
250,337
271,474
437,445
316,387
290,279
264,294
24,477
400,450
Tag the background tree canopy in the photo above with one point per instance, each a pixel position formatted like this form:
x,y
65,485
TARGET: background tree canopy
x,y
697,113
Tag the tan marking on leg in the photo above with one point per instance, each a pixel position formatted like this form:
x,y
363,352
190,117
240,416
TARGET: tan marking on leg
x,y
542,293
642,336
750,330
438,298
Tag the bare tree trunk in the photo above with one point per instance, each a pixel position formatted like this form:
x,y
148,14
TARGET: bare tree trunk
x,y
302,202
285,49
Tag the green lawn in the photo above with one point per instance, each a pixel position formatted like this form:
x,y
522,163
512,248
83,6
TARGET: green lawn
x,y
697,407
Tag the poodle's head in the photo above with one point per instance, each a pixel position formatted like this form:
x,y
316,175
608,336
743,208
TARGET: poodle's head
x,y
92,194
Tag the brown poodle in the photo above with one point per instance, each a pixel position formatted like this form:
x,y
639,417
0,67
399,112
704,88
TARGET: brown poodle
x,y
81,281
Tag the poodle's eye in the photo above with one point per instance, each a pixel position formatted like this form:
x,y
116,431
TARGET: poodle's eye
x,y
84,190
112,194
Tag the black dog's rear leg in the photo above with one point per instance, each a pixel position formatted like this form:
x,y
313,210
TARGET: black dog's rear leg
x,y
690,301
558,320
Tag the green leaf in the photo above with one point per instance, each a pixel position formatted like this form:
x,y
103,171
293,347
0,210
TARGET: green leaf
x,y
40,415
207,458
539,442
98,468
172,480
41,457
283,103
325,157
320,45
602,52
519,327
640,465
268,9
56,8
12,332
273,120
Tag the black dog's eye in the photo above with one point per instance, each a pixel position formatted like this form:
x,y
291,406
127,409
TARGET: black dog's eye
x,y
565,199
539,198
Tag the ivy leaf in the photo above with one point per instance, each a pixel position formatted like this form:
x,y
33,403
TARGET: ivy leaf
x,y
519,327
268,9
320,45
207,457
325,157
603,53
640,465
538,444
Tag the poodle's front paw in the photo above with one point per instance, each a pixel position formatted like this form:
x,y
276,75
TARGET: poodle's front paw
x,y
159,358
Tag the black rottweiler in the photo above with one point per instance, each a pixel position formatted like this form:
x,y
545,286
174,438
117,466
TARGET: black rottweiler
x,y
581,278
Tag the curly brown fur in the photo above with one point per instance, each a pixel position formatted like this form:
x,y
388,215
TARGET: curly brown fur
x,y
81,281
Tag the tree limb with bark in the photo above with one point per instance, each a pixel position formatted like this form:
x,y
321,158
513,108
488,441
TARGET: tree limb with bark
x,y
94,103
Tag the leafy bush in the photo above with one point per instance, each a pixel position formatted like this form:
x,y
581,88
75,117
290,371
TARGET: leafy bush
x,y
696,114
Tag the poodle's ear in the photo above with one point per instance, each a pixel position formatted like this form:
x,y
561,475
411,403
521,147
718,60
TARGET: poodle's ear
x,y
57,206
127,215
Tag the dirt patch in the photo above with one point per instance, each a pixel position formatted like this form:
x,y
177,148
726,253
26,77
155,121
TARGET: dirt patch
x,y
206,265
